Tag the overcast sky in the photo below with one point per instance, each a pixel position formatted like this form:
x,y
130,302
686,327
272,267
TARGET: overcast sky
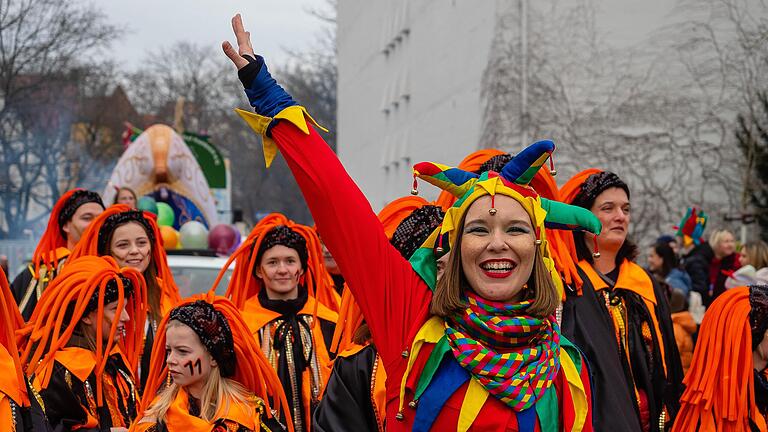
x,y
150,24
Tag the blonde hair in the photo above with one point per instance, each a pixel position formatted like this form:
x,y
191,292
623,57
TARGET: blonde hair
x,y
217,390
757,253
717,236
447,298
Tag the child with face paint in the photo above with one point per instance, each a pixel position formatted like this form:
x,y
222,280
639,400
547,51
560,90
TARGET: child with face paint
x,y
81,346
280,285
208,374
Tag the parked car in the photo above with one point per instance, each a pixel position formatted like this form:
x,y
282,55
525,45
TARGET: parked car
x,y
195,271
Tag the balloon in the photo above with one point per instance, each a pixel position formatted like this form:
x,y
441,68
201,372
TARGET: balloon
x,y
147,203
194,235
170,237
223,239
165,214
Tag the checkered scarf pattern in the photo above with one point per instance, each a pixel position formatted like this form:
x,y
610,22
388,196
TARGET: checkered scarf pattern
x,y
524,361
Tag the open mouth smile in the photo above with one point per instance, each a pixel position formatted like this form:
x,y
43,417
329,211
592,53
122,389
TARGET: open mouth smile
x,y
498,268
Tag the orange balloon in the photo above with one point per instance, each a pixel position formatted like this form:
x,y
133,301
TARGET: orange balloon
x,y
170,237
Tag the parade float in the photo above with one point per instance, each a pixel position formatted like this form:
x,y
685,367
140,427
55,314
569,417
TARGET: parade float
x,y
184,180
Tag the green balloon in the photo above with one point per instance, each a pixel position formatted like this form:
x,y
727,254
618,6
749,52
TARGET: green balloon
x,y
165,216
194,235
147,203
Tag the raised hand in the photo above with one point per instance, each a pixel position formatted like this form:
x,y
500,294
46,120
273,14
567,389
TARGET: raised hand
x,y
244,46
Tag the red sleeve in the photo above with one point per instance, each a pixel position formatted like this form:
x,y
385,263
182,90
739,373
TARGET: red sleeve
x,y
394,300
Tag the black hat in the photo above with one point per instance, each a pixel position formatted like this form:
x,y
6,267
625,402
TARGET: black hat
x,y
213,330
283,236
414,230
78,198
595,185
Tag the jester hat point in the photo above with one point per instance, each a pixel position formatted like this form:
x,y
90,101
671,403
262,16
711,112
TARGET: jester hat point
x,y
513,181
691,227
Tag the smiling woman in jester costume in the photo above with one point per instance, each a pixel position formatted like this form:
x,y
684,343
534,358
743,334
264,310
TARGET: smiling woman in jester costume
x,y
479,350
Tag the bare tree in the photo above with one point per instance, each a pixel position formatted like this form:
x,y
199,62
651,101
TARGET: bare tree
x,y
42,45
659,115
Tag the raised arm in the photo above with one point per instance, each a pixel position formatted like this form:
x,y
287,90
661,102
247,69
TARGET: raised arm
x,y
392,297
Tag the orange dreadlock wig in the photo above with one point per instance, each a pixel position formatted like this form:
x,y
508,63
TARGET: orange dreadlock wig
x,y
244,285
54,238
86,284
720,391
248,365
14,385
96,240
350,315
472,162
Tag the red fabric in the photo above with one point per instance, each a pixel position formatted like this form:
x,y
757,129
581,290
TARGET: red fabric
x,y
394,300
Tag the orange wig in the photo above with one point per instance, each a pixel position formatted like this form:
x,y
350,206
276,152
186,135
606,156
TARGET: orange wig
x,y
244,285
720,390
12,321
62,306
52,239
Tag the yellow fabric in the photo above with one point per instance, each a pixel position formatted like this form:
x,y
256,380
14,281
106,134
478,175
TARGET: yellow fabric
x,y
430,332
576,387
471,406
296,114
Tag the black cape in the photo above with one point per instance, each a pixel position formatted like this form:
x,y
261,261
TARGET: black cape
x,y
588,324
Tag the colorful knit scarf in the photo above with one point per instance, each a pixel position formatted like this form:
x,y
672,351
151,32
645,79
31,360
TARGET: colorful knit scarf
x,y
512,355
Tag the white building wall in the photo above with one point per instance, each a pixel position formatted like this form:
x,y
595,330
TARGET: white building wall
x,y
409,88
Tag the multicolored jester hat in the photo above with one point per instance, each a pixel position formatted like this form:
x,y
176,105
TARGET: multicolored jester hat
x,y
513,181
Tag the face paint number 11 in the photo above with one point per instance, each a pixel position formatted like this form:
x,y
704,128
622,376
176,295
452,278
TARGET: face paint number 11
x,y
192,366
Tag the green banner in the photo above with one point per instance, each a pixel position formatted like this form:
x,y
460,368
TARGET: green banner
x,y
209,158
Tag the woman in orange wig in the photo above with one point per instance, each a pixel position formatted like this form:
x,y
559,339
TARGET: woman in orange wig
x,y
280,285
69,219
83,342
726,386
133,239
208,374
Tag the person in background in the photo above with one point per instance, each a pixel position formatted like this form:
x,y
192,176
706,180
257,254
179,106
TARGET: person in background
x,y
280,286
127,196
671,241
663,264
754,266
695,256
70,217
724,262
726,386
622,319
684,326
